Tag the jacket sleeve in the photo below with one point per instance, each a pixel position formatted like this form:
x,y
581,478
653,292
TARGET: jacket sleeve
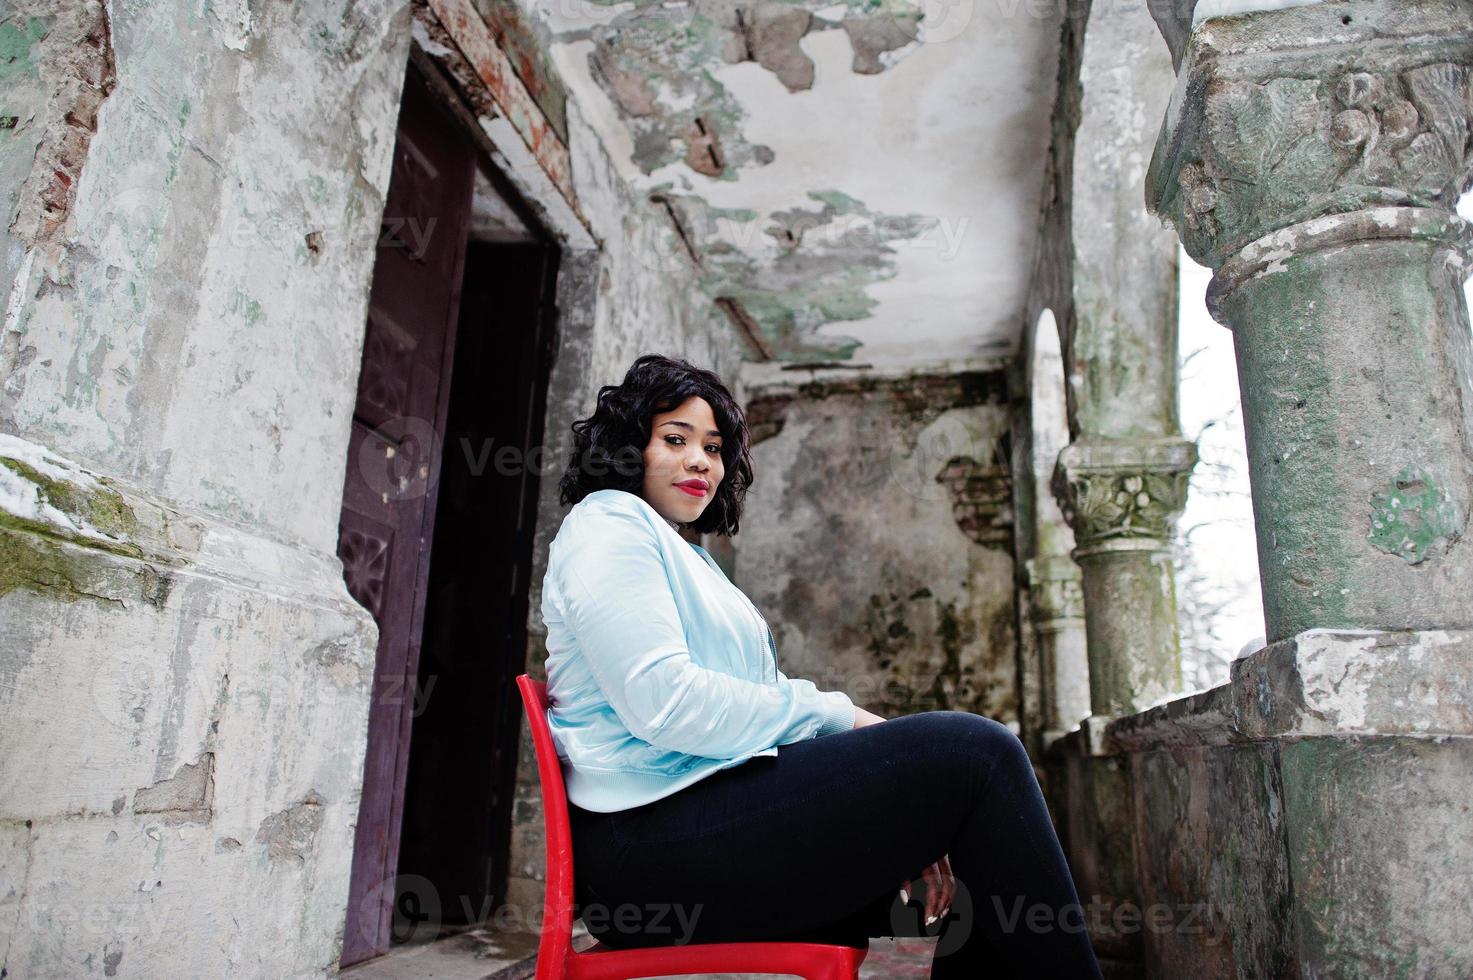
x,y
617,600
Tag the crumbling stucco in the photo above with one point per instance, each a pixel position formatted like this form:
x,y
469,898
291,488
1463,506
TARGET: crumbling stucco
x,y
291,833
877,35
812,267
60,59
177,267
655,60
852,548
187,795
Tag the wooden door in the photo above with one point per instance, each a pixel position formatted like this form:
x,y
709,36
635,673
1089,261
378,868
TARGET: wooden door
x,y
392,478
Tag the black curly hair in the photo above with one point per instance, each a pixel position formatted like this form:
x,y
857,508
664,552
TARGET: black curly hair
x,y
608,446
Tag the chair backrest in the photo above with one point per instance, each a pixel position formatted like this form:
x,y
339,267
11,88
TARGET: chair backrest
x,y
557,910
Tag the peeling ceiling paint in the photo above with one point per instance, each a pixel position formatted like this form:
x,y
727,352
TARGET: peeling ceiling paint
x,y
800,268
857,182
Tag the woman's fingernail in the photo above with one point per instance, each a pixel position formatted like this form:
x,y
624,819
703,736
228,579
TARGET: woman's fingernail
x,y
930,919
945,911
904,896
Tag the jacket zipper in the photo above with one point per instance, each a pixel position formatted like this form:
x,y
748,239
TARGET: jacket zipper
x,y
771,643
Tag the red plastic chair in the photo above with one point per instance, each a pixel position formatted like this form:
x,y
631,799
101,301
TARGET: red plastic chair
x,y
556,958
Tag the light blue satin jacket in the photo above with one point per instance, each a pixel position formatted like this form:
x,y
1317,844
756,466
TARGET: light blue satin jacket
x,y
660,671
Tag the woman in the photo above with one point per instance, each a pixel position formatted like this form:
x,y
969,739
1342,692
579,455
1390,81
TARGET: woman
x,y
668,709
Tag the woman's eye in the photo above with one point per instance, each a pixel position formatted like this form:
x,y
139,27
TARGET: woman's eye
x,y
680,441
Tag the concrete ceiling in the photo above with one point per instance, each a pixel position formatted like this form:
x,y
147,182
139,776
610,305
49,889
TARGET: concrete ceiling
x,y
858,182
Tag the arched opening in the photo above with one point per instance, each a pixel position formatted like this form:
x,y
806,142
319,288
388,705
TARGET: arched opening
x,y
1050,425
1054,584
1219,602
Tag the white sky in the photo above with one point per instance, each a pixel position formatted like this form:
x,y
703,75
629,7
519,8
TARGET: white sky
x,y
1218,520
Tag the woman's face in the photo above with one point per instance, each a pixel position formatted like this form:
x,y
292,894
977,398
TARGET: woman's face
x,y
682,462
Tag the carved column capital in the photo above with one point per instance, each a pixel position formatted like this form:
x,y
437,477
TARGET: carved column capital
x,y
1123,495
1286,116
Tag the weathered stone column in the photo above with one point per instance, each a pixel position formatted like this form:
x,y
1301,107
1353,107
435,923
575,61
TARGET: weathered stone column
x,y
1123,480
1111,280
1058,624
1123,498
1313,158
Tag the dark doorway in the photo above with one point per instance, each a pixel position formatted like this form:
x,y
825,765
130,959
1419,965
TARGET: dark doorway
x,y
463,756
435,536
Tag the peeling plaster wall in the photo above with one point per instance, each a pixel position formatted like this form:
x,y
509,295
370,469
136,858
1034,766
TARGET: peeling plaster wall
x,y
196,776
876,541
185,267
184,681
170,329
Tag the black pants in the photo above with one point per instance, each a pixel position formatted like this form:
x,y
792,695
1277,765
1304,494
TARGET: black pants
x,y
813,843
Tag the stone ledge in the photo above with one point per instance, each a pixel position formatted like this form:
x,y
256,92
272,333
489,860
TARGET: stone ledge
x,y
60,522
1364,682
1199,719
1088,739
1321,682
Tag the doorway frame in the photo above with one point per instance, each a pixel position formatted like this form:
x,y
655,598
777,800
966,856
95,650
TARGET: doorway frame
x,y
542,208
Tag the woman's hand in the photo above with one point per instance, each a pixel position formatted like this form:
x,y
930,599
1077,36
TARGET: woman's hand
x,y
863,719
940,887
